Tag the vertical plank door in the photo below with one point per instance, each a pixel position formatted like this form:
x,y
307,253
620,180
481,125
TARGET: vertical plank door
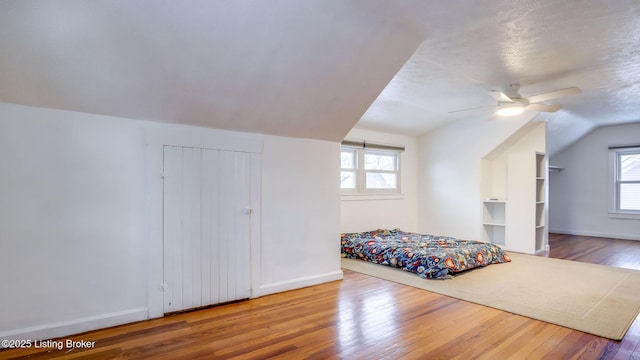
x,y
206,227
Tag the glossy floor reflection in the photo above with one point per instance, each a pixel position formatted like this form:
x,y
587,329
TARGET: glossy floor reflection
x,y
362,317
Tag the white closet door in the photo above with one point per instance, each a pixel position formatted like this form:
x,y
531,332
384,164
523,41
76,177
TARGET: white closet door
x,y
206,227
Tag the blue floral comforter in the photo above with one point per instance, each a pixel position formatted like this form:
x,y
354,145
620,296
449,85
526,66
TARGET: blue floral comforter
x,y
429,256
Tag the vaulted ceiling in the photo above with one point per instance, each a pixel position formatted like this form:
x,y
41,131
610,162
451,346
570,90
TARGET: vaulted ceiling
x,y
472,47
285,67
315,68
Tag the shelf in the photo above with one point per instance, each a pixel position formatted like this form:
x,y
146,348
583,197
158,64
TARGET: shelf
x,y
494,212
540,239
494,220
541,197
495,234
540,165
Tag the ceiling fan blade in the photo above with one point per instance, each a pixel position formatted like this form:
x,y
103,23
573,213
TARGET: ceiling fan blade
x,y
493,116
500,96
474,108
543,107
553,94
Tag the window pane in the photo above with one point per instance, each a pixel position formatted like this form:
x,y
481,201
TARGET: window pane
x,y
348,159
347,180
381,181
629,196
630,167
379,162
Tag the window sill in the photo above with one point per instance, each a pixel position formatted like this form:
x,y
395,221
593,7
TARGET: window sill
x,y
371,197
629,216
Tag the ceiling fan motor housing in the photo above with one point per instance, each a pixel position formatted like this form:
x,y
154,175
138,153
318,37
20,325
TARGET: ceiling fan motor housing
x,y
509,98
512,91
517,102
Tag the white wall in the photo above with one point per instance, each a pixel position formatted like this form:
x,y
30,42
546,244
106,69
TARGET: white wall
x,y
449,174
301,213
530,138
72,222
578,195
364,213
78,239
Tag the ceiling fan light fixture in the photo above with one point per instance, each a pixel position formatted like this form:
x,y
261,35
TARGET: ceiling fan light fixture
x,y
510,103
510,111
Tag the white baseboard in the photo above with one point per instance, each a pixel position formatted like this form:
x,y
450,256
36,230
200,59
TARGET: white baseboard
x,y
65,328
594,234
300,283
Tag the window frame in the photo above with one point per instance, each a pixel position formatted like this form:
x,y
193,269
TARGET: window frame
x,y
354,150
615,155
361,172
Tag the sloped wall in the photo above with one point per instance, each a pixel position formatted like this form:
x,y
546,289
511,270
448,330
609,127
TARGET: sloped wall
x,y
306,69
531,137
450,174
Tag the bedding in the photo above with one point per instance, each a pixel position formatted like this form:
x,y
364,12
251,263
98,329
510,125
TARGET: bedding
x,y
429,256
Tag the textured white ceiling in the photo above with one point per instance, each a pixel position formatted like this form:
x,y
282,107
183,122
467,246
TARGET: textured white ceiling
x,y
312,68
474,47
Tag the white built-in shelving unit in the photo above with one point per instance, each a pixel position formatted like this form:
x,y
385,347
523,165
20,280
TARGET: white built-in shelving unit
x,y
527,192
514,190
494,220
515,211
541,202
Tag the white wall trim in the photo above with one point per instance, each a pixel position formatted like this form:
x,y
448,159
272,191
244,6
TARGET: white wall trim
x,y
594,234
371,197
256,225
69,327
300,283
155,299
625,215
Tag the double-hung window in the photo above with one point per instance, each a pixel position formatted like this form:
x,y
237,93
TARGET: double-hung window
x,y
626,189
348,169
369,168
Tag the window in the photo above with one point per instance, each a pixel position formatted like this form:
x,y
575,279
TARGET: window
x,y
372,169
381,169
348,161
626,192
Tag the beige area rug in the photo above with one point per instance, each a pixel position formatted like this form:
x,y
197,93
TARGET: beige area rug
x,y
596,299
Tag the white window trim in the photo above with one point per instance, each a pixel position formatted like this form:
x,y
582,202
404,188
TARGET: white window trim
x,y
357,162
361,192
367,197
614,211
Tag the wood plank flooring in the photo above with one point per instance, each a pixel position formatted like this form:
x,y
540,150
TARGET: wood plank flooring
x,y
362,317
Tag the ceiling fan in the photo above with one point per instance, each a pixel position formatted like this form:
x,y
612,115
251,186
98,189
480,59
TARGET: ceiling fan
x,y
511,103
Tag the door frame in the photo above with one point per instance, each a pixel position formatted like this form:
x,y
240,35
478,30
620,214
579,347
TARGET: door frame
x,y
155,138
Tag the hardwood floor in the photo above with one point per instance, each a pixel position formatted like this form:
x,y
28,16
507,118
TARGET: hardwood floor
x,y
363,317
612,252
